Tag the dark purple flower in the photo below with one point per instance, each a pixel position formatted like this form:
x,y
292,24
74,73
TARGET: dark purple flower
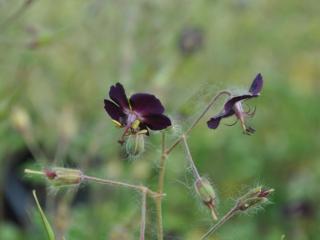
x,y
234,107
138,113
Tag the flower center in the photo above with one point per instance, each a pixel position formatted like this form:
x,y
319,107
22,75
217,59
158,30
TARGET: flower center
x,y
238,109
131,118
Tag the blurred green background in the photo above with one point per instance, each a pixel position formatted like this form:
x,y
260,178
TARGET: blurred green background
x,y
57,62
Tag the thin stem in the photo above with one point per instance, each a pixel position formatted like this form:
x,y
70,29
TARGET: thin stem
x,y
195,122
16,14
29,171
189,157
122,184
222,221
162,166
143,214
34,147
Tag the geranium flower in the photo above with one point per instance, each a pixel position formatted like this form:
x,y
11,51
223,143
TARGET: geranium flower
x,y
234,106
142,111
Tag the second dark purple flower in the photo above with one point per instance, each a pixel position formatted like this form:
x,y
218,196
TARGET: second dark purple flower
x,y
234,106
142,111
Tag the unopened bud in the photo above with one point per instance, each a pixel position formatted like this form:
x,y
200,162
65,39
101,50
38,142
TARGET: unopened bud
x,y
254,197
60,177
135,145
207,194
20,119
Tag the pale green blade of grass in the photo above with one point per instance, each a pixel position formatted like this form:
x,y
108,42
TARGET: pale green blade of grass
x,y
45,221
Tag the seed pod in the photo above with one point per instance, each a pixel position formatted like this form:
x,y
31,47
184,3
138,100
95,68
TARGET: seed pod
x,y
135,145
60,177
253,197
254,192
207,194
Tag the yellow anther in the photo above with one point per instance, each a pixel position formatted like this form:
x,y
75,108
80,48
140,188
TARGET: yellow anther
x,y
117,123
135,124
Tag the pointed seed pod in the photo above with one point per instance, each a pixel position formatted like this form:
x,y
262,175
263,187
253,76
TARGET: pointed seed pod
x,y
253,198
207,194
60,177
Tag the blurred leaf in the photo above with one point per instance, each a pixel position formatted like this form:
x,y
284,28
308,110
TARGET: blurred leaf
x,y
45,221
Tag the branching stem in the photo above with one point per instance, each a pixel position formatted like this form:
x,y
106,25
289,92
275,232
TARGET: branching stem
x,y
166,151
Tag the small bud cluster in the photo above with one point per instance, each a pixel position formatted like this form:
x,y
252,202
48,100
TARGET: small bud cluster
x,y
253,198
207,194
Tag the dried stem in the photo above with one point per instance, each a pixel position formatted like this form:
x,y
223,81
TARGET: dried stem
x,y
143,214
195,122
189,157
233,211
160,186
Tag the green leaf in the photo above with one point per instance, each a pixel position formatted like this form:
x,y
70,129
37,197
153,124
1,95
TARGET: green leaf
x,y
45,221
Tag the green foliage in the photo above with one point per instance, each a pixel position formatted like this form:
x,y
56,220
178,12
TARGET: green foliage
x,y
58,59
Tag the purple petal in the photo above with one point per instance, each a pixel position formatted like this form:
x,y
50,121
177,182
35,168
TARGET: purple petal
x,y
256,85
229,104
114,111
215,121
146,104
118,95
157,121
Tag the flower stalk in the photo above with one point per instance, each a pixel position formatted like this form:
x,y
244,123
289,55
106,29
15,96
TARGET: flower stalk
x,y
162,166
197,120
189,157
143,214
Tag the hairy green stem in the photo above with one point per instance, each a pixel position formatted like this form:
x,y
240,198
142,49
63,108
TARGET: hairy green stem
x,y
221,222
189,157
143,214
122,184
162,166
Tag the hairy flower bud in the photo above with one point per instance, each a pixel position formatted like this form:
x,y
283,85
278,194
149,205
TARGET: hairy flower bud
x,y
60,177
254,197
135,145
207,194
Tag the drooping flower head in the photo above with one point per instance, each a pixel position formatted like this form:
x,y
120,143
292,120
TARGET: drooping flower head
x,y
234,106
142,111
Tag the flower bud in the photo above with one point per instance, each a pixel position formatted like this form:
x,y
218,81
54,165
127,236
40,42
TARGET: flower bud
x,y
135,145
254,197
60,177
207,194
